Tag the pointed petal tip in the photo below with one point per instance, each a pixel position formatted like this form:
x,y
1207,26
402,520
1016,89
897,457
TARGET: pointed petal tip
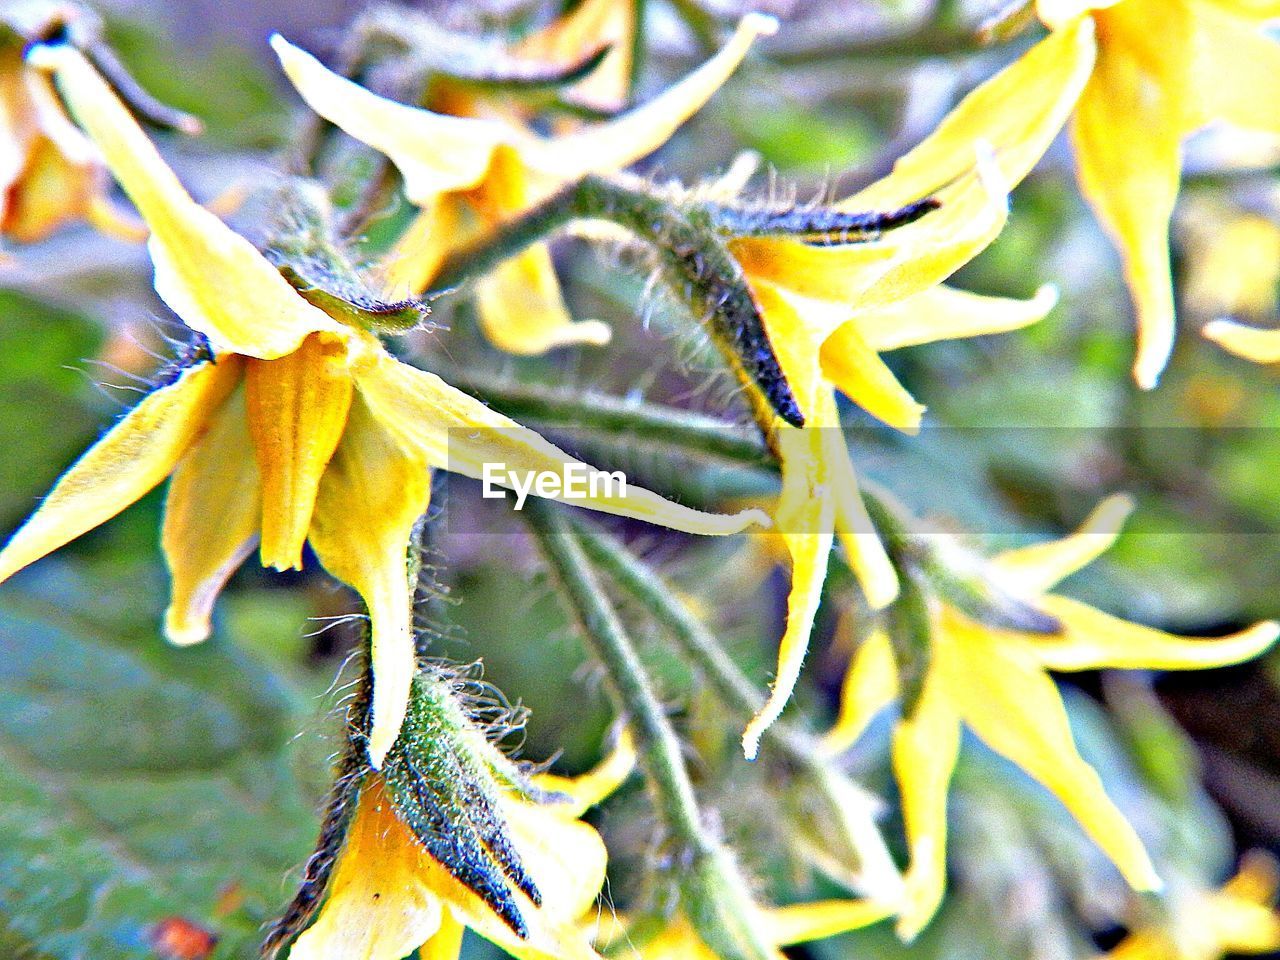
x,y
185,634
761,24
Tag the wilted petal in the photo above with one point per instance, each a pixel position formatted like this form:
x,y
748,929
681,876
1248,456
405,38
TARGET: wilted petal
x,y
1252,343
1003,693
297,410
925,749
622,141
448,429
211,520
1093,640
131,458
369,499
1030,571
1017,114
380,903
209,275
1127,132
870,685
945,313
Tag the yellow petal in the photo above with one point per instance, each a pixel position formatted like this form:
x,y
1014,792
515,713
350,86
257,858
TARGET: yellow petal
x,y
1017,113
522,310
380,904
1260,10
858,372
131,458
1127,133
577,35
1252,343
802,922
434,153
1004,695
50,192
838,274
446,943
945,313
450,430
1030,571
1093,640
806,520
620,142
368,502
870,685
297,409
211,520
1257,881
592,787
925,749
209,275
1234,71
439,228
1243,928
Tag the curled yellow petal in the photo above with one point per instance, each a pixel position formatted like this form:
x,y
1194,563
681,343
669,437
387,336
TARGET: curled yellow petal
x,y
1252,343
380,902
130,459
589,789
211,520
1029,571
925,749
448,429
858,372
523,312
1017,113
870,685
1093,640
297,408
945,313
433,152
368,501
209,275
802,922
806,521
620,142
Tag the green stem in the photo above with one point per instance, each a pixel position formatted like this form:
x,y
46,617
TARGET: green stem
x,y
694,259
714,894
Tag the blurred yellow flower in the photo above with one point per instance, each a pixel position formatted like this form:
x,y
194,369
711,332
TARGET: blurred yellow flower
x,y
388,896
469,174
996,682
1165,69
831,310
1240,918
51,175
1233,260
299,428
590,26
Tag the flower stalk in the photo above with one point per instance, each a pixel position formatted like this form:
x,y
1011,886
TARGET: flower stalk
x,y
713,892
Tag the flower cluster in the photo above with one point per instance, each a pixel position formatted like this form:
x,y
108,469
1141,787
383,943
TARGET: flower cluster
x,y
300,424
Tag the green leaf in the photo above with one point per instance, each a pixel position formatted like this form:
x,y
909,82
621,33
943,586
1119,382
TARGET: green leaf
x,y
139,782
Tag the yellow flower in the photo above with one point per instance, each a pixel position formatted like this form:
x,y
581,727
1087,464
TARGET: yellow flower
x,y
1165,69
1233,261
780,926
996,682
388,896
830,311
300,427
1240,918
467,175
50,173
